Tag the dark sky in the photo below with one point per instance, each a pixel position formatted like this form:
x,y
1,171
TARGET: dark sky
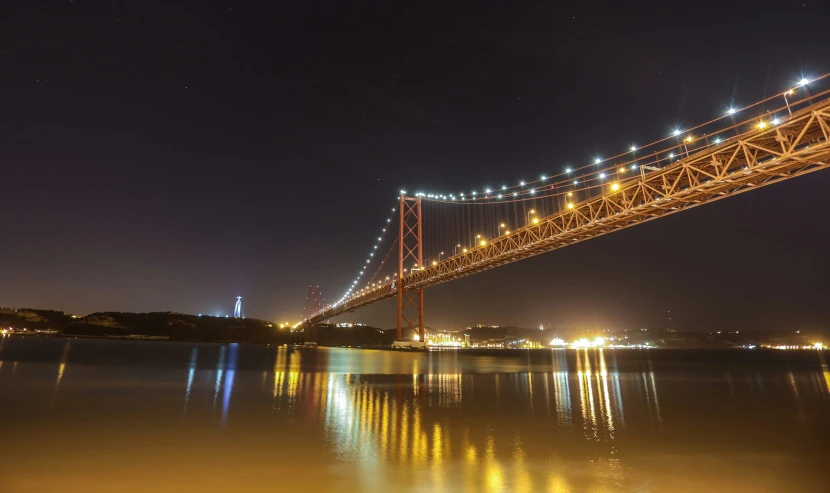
x,y
173,155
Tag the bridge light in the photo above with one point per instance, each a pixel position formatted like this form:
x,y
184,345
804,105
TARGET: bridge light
x,y
507,232
515,194
483,242
622,170
535,220
601,176
676,133
504,187
775,121
567,170
533,211
500,196
597,161
487,191
615,187
803,82
671,155
762,125
731,111
576,181
570,205
633,148
570,194
464,250
434,263
717,141
791,92
633,166
532,191
544,177
688,139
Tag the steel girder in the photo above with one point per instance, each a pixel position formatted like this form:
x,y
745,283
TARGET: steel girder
x,y
796,146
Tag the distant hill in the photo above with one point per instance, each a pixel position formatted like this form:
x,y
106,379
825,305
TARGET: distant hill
x,y
183,327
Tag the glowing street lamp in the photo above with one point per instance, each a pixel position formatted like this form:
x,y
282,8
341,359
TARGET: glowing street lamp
x,y
499,228
455,249
532,212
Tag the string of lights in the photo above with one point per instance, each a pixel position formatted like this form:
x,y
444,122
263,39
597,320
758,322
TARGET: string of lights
x,y
529,188
460,231
364,269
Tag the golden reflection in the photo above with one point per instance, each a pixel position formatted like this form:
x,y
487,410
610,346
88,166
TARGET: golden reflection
x,y
437,456
586,393
530,390
605,404
377,420
493,470
802,417
824,371
522,480
62,365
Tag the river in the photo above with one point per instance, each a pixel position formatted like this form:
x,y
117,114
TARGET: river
x,y
87,415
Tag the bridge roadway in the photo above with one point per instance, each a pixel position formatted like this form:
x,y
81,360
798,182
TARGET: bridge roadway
x,y
796,146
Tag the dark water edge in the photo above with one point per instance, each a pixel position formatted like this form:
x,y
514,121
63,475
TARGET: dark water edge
x,y
172,354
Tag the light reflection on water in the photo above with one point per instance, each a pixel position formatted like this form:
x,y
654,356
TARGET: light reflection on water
x,y
338,419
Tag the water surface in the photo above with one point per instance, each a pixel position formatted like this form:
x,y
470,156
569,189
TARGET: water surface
x,y
84,415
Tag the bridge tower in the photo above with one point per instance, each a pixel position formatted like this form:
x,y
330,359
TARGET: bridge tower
x,y
410,256
313,307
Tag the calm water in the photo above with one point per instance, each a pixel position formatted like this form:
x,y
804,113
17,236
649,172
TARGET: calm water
x,y
127,416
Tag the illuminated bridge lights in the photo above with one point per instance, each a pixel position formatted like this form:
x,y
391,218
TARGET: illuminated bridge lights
x,y
796,146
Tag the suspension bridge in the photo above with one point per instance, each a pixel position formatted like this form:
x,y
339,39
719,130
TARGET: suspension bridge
x,y
433,238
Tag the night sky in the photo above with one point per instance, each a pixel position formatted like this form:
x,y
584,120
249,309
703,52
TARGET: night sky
x,y
172,155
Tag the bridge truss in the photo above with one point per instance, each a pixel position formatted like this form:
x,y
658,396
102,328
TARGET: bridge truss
x,y
762,156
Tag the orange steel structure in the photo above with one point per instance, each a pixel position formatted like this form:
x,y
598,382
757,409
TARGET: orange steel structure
x,y
410,247
796,146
